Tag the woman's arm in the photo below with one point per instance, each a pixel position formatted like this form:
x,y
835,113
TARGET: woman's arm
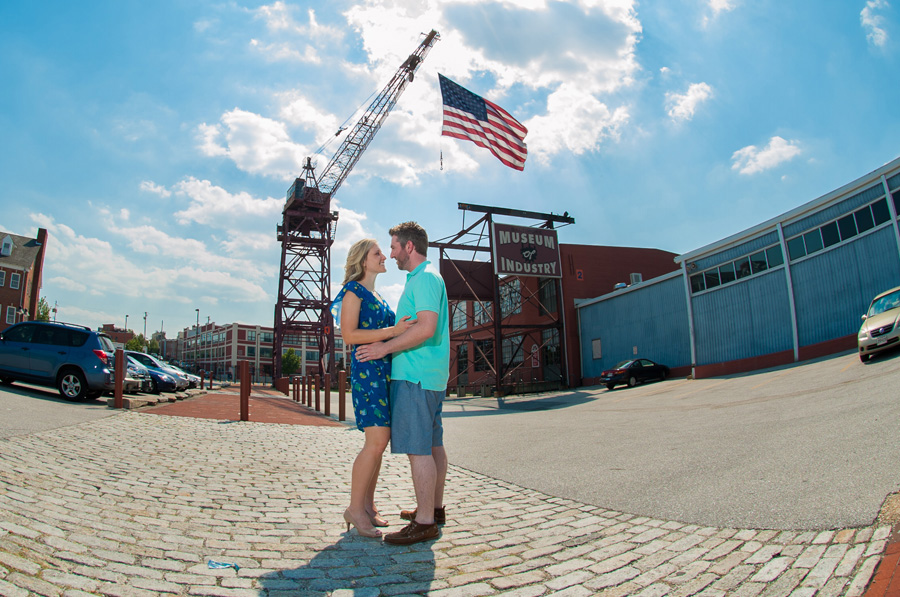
x,y
351,331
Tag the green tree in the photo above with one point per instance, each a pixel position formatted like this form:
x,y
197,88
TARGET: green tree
x,y
290,362
43,310
136,343
154,347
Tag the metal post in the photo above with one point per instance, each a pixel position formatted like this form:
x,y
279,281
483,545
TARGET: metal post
x,y
327,390
318,385
303,389
201,379
245,390
119,377
342,395
210,381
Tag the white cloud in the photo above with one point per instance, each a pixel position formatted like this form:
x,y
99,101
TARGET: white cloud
x,y
576,122
214,206
874,23
152,187
717,7
682,107
256,144
752,160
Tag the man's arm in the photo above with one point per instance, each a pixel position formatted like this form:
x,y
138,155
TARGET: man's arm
x,y
423,330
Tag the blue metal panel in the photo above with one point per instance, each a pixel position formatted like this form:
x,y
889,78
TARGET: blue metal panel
x,y
833,289
834,211
743,320
652,316
751,246
894,182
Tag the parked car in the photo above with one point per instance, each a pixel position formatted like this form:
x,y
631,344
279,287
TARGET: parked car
x,y
74,359
193,380
137,371
161,382
151,362
880,328
632,372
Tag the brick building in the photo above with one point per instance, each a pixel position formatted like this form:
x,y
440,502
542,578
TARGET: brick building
x,y
218,348
533,358
21,267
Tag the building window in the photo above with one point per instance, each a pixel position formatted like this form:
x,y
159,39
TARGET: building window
x,y
484,355
267,337
265,353
749,265
10,314
2,278
840,230
547,296
459,316
510,298
14,281
251,351
462,358
312,355
482,312
251,336
512,350
551,347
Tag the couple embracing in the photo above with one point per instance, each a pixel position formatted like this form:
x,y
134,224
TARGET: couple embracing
x,y
398,378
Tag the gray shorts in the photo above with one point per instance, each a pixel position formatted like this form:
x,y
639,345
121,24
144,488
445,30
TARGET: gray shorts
x,y
416,425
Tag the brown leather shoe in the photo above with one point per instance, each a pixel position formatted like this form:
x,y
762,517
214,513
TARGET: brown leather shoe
x,y
413,533
440,517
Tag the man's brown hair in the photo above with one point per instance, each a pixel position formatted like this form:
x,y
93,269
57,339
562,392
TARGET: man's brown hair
x,y
411,231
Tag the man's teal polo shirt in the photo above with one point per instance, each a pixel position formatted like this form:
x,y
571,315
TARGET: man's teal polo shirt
x,y
429,362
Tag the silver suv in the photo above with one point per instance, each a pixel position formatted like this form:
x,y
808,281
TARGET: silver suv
x,y
72,358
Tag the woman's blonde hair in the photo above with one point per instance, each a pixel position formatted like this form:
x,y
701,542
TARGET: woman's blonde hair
x,y
355,268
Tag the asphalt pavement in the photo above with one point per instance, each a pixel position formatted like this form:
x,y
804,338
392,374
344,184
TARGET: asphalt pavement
x,y
808,446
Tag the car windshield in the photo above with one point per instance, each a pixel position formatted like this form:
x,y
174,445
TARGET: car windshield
x,y
885,303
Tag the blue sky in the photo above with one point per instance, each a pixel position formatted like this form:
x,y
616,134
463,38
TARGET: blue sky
x,y
155,141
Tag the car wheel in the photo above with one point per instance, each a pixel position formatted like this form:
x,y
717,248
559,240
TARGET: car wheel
x,y
7,381
632,381
72,385
663,376
610,386
865,357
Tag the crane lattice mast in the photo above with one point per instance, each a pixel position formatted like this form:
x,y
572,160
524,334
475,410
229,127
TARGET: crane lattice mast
x,y
307,230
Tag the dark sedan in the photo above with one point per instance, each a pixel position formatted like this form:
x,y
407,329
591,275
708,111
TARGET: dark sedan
x,y
633,372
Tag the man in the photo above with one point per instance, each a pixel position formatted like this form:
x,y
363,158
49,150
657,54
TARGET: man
x,y
420,370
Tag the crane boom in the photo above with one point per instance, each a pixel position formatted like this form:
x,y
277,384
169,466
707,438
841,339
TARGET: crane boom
x,y
356,142
307,231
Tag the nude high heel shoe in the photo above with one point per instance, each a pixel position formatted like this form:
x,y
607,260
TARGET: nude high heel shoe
x,y
376,519
373,533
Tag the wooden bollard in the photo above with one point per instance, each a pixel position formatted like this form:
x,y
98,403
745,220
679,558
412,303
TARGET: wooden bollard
x,y
305,384
245,390
318,382
119,377
295,388
202,378
342,395
327,390
210,382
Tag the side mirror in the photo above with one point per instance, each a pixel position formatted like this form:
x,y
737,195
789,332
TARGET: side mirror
x,y
864,317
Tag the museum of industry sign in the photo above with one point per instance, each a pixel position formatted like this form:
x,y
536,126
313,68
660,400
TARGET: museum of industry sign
x,y
524,251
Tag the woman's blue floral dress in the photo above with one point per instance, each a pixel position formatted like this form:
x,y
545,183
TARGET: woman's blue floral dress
x,y
368,381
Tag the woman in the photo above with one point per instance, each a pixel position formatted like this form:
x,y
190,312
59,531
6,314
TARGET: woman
x,y
365,317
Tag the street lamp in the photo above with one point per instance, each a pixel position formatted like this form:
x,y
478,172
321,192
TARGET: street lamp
x,y
197,341
145,329
126,323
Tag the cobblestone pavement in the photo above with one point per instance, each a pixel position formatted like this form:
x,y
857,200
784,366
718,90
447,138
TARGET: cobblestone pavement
x,y
138,504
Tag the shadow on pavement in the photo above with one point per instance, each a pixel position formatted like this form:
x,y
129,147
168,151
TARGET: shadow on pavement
x,y
357,564
477,407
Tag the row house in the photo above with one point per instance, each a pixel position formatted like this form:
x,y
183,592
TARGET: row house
x,y
21,266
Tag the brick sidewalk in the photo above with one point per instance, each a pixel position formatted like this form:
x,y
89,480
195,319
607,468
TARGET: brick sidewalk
x,y
266,406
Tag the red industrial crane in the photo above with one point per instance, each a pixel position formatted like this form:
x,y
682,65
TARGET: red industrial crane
x,y
307,231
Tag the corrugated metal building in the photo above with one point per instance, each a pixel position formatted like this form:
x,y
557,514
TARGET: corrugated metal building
x,y
789,289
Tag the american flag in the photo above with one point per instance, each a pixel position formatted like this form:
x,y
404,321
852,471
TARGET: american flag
x,y
469,116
